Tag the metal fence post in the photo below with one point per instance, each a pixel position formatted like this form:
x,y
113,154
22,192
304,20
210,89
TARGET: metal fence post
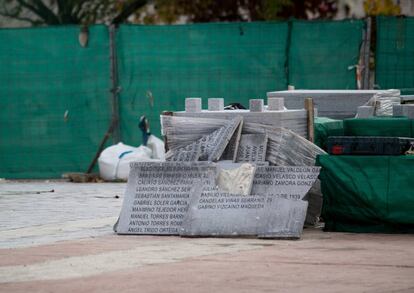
x,y
287,53
367,48
116,133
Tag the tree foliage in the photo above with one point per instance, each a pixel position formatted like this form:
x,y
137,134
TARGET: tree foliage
x,y
170,11
381,7
55,12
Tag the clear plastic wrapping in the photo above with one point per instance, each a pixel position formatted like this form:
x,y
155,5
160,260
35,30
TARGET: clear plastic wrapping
x,y
182,131
285,147
384,101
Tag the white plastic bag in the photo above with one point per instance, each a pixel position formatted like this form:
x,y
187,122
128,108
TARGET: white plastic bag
x,y
114,161
157,147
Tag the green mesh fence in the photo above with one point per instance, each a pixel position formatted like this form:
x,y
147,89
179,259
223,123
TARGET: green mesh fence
x,y
395,53
44,74
159,66
54,94
322,54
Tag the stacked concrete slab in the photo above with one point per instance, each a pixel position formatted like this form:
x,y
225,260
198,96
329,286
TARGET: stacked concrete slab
x,y
336,104
404,110
273,115
294,120
407,99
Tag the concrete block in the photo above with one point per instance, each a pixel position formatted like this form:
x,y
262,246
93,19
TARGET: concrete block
x,y
365,111
275,104
397,110
215,104
193,105
408,110
256,105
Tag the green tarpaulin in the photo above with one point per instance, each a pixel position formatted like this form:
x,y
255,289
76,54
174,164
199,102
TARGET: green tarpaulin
x,y
393,127
367,193
325,127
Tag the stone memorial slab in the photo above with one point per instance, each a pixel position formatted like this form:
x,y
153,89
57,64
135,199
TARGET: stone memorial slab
x,y
314,198
193,105
186,156
215,104
290,182
158,193
191,153
215,147
252,148
261,164
228,164
284,218
217,213
230,153
256,105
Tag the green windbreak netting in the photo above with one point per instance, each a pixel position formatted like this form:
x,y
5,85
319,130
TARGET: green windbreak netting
x,y
367,193
395,53
322,54
54,107
54,93
159,66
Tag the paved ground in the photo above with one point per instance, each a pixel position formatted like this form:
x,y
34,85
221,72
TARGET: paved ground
x,y
62,241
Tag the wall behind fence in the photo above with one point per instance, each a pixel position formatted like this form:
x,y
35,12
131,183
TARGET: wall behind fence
x,y
45,73
395,53
161,65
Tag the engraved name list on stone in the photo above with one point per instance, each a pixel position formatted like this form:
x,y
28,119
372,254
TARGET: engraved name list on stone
x,y
290,182
158,194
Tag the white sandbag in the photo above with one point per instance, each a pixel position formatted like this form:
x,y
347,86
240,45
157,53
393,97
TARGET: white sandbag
x,y
157,147
114,161
141,154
